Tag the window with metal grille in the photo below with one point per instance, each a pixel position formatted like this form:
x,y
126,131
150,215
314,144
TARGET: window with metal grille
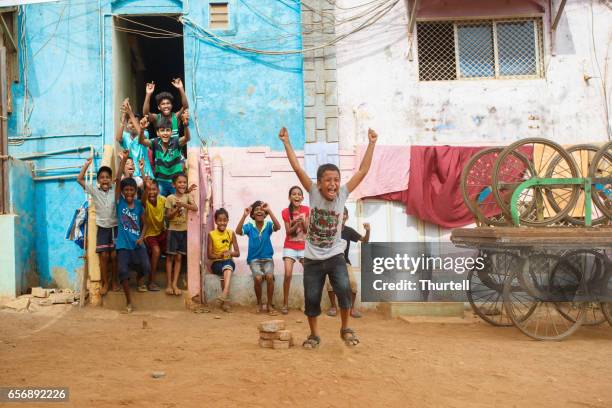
x,y
477,49
218,16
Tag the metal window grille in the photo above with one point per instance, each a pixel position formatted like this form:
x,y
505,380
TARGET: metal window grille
x,y
479,49
218,16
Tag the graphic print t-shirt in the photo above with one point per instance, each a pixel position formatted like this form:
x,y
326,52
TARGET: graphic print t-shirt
x,y
129,224
325,224
297,240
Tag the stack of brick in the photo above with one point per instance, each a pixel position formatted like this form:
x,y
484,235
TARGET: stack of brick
x,y
272,334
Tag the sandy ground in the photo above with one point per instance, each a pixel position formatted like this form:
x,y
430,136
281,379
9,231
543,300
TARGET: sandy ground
x,y
106,359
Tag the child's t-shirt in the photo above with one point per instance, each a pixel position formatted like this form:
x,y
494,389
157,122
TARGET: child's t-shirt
x,y
179,222
297,241
260,245
137,152
154,216
168,162
129,224
325,224
221,241
106,206
349,235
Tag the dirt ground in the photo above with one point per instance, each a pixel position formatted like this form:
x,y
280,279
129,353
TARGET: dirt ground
x,y
106,359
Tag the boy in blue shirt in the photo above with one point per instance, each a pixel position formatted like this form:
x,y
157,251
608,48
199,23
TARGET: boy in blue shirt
x,y
127,137
260,252
131,231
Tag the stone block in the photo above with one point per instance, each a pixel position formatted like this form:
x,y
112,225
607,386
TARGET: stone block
x,y
331,93
268,336
40,292
20,304
266,343
284,335
271,326
281,344
309,94
331,126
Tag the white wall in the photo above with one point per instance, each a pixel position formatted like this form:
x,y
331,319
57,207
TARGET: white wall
x,y
378,87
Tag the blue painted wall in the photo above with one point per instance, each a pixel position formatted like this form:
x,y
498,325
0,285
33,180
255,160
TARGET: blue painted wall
x,y
65,95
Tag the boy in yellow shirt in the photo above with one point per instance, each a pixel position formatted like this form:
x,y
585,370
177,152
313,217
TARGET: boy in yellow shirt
x,y
220,243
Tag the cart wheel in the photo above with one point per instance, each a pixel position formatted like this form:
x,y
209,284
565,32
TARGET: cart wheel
x,y
476,188
584,280
486,287
601,167
583,155
533,207
530,308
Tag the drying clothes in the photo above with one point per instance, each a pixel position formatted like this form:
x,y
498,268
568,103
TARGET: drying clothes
x,y
388,173
76,229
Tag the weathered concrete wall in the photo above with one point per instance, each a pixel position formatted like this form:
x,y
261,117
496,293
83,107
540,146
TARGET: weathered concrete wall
x,y
64,98
390,98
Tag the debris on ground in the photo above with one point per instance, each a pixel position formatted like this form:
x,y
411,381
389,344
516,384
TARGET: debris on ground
x,y
272,334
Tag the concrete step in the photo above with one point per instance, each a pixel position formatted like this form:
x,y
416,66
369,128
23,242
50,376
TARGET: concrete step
x,y
439,309
150,301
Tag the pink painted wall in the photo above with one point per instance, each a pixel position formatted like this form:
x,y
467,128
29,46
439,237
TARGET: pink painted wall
x,y
479,8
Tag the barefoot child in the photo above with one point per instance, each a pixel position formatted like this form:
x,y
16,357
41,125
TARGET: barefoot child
x,y
131,231
349,235
296,220
154,205
220,243
324,246
103,197
177,206
260,252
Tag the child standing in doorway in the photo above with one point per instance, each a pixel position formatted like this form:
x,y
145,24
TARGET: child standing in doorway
x,y
260,252
296,225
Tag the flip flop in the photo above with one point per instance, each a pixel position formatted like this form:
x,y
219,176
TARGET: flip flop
x,y
356,314
169,291
178,292
153,287
142,288
285,310
332,312
272,312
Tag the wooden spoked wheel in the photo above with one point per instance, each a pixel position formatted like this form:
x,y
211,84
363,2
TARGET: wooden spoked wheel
x,y
583,156
589,283
545,158
476,188
536,309
486,286
601,168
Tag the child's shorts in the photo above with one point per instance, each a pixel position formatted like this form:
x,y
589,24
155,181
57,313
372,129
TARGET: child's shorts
x,y
176,242
105,239
137,256
315,272
352,281
157,241
165,187
218,267
293,254
261,267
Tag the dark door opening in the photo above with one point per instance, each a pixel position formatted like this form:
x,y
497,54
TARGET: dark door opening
x,y
146,49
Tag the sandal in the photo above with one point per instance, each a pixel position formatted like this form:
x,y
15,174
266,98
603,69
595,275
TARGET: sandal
x,y
153,287
356,314
226,308
349,337
142,288
129,309
272,312
285,310
312,342
332,312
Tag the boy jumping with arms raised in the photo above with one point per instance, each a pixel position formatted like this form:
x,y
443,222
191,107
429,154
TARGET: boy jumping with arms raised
x,y
324,254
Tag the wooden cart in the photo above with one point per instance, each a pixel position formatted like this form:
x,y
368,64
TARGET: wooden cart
x,y
545,281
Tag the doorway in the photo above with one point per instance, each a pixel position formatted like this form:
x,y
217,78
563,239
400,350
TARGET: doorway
x,y
146,49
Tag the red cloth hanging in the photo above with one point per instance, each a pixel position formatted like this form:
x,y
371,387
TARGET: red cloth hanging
x,y
434,191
